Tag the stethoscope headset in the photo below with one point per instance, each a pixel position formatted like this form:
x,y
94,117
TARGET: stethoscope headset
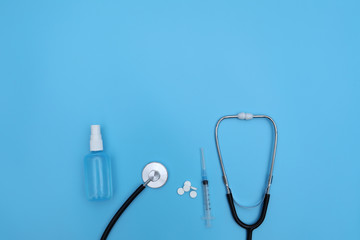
x,y
248,227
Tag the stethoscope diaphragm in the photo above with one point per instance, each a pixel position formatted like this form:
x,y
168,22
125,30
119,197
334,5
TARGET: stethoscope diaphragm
x,y
158,172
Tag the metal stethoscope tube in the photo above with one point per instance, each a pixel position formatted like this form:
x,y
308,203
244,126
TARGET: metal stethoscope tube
x,y
249,228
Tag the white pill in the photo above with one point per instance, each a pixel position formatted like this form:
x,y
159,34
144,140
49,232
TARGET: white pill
x,y
187,183
180,191
193,194
193,188
186,188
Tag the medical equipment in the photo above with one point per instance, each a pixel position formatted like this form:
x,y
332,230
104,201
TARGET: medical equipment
x,y
205,187
97,168
154,175
249,227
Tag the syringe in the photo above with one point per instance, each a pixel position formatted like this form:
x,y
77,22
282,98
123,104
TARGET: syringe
x,y
205,187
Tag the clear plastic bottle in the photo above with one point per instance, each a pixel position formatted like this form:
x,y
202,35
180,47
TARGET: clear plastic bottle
x,y
98,180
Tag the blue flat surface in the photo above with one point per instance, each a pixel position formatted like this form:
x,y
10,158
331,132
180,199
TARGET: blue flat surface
x,y
157,75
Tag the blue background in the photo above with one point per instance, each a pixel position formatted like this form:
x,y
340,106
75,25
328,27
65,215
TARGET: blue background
x,y
157,75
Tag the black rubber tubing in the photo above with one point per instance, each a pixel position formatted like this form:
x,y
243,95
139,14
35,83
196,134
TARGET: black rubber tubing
x,y
249,228
121,210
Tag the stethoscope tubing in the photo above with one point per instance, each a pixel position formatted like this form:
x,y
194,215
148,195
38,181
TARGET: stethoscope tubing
x,y
121,210
249,228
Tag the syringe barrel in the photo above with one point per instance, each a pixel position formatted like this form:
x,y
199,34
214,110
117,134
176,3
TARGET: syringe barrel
x,y
207,214
206,196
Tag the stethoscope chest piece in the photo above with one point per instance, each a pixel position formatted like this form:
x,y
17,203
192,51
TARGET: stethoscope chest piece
x,y
154,175
157,172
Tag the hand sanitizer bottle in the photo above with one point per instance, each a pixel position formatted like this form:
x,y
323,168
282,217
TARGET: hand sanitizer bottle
x,y
98,180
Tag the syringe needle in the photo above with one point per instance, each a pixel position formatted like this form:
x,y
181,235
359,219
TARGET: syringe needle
x,y
202,159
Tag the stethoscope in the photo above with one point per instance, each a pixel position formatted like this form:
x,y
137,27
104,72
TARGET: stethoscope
x,y
154,175
248,227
